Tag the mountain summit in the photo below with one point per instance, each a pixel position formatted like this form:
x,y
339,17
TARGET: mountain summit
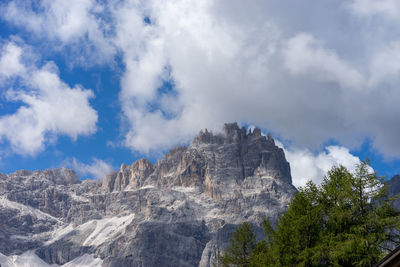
x,y
179,211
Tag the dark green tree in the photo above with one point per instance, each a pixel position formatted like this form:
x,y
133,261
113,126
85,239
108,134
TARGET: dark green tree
x,y
336,195
299,229
263,254
358,217
238,251
346,221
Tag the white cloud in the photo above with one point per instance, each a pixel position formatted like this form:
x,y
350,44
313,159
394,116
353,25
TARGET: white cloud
x,y
10,61
76,24
305,55
385,65
49,107
389,8
97,169
240,66
310,75
199,53
306,165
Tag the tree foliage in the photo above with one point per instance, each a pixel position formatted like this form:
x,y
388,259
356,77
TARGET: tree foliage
x,y
238,251
346,221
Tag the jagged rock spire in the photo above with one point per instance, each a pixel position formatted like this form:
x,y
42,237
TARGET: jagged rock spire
x,y
206,161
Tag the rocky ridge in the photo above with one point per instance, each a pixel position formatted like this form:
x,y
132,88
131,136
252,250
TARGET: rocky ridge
x,y
179,211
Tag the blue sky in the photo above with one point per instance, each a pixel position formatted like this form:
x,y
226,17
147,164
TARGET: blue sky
x,y
92,84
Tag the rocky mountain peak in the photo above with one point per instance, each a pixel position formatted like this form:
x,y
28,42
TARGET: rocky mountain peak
x,y
132,176
231,133
142,164
179,211
123,167
212,162
248,151
61,176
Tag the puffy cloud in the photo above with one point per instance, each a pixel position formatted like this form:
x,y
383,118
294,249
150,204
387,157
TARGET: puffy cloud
x,y
97,169
222,69
385,65
49,107
390,8
10,61
185,47
305,55
240,66
306,165
76,24
309,74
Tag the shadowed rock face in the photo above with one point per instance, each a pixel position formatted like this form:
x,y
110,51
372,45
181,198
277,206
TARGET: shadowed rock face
x,y
394,189
178,212
209,161
133,176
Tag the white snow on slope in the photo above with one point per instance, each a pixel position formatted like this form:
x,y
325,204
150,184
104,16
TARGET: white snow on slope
x,y
86,260
30,259
79,198
105,229
59,234
25,210
27,259
5,261
100,230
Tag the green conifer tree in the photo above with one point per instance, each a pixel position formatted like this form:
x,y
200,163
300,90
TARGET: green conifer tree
x,y
238,251
346,221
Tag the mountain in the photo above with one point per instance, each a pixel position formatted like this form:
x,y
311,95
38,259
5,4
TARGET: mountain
x,y
394,189
178,212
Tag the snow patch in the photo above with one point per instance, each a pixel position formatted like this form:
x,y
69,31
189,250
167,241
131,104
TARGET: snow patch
x,y
30,259
27,259
129,188
86,260
59,234
26,210
185,189
105,229
79,198
100,230
5,261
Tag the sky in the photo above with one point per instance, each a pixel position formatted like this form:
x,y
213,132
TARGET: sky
x,y
92,84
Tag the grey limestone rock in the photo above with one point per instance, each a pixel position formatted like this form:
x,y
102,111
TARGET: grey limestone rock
x,y
133,175
179,211
394,190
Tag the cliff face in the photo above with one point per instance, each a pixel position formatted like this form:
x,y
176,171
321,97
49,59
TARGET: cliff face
x,y
178,212
211,161
394,189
